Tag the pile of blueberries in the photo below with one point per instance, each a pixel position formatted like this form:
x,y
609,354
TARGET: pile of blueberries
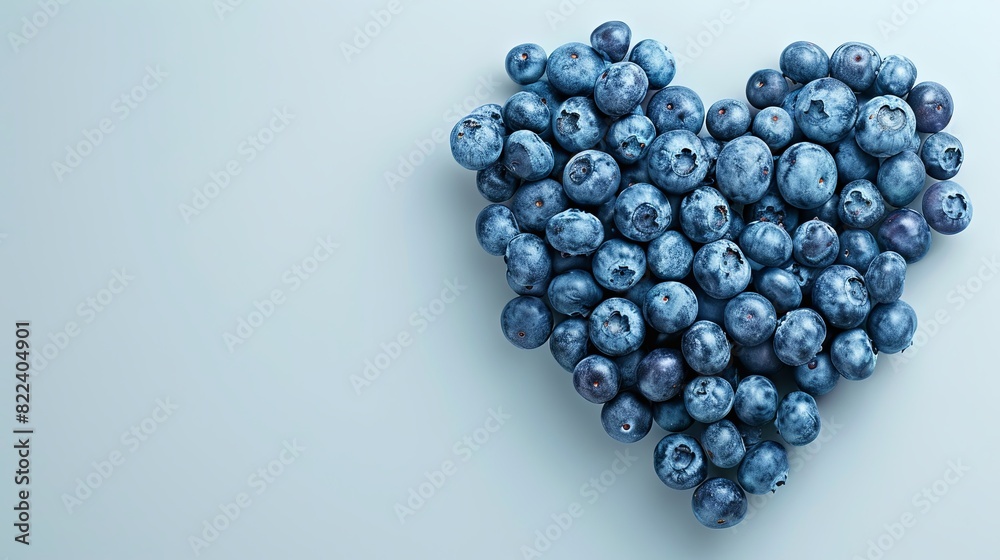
x,y
684,279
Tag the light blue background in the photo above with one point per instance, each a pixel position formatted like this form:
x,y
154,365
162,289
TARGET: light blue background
x,y
323,176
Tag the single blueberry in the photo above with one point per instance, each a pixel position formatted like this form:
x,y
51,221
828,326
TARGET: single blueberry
x,y
896,76
705,348
840,296
721,269
677,161
536,202
853,163
591,178
620,89
495,227
670,255
574,232
704,215
858,248
947,208
775,127
476,143
803,62
676,108
525,63
815,243
942,155
680,462
932,106
766,88
596,379
627,418
818,376
525,111
826,110
885,126
798,419
573,68
526,322
719,503
528,260
780,287
661,374
756,400
671,415
642,212
670,307
855,64
527,156
892,326
906,232
723,444
728,119
885,277
618,264
574,293
656,60
577,124
617,327
764,468
766,243
853,355
568,342
495,183
611,39
807,175
628,140
861,205
744,169
799,336
750,319
708,398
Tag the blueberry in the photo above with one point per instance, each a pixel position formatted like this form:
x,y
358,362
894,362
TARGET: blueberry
x,y
947,208
853,355
495,227
901,178
752,435
861,205
676,108
669,256
671,415
892,326
526,322
546,92
560,157
495,183
628,366
804,276
526,111
766,243
723,444
772,208
528,260
728,119
775,127
527,156
858,248
709,308
885,277
719,503
661,374
815,243
721,269
764,468
756,400
705,348
713,148
574,232
574,293
679,461
591,178
798,419
573,68
789,106
568,342
704,215
620,89
611,39
885,126
736,227
670,307
617,327
827,212
840,296
750,319
766,88
525,63
628,140
942,155
562,262
618,265
855,64
708,399
744,169
535,203
596,378
807,175
656,60
780,287
634,173
826,110
818,376
803,62
627,417
677,161
759,359
642,212
578,124
906,232
896,76
476,143
932,106
853,163
799,336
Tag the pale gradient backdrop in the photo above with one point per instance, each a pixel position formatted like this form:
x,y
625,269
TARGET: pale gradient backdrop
x,y
198,222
